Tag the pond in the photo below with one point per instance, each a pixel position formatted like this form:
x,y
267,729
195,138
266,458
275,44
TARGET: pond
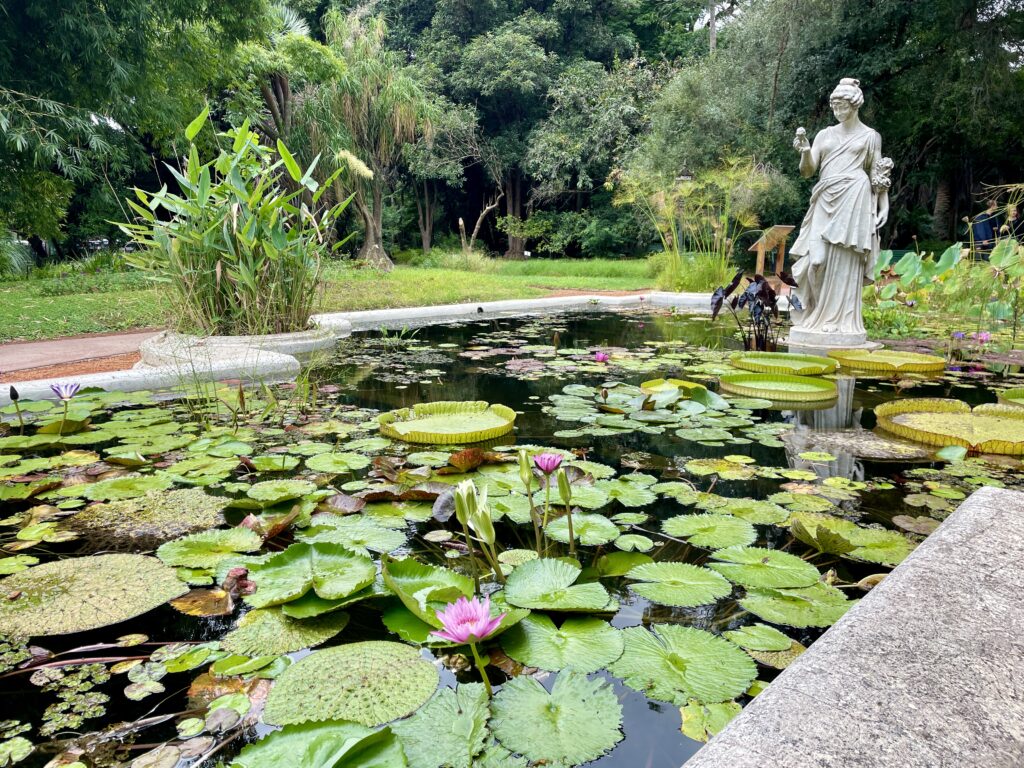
x,y
187,572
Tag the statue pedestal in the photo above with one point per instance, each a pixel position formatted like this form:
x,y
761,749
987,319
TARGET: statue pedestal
x,y
804,341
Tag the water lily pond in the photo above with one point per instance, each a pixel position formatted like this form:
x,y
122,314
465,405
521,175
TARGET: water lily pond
x,y
253,577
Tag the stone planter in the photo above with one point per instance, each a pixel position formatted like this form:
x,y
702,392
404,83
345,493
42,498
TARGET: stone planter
x,y
175,349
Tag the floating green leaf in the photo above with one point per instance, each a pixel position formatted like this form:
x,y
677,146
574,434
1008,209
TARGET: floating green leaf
x,y
66,596
356,532
450,730
332,571
207,549
584,643
711,531
702,721
548,584
844,537
446,422
675,663
634,542
324,745
371,683
270,492
759,637
590,530
759,567
577,722
425,589
678,584
818,605
336,463
267,631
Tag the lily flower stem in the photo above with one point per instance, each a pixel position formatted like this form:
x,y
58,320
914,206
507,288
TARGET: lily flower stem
x,y
481,668
496,564
21,419
472,557
547,502
572,537
64,418
534,518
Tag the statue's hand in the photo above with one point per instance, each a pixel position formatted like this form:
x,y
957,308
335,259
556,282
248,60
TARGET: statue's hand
x,y
880,218
800,142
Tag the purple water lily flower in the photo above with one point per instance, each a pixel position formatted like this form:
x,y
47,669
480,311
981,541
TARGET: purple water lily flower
x,y
959,335
65,391
468,621
547,462
601,357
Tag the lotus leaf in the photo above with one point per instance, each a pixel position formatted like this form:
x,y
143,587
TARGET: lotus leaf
x,y
66,596
450,730
888,361
590,530
783,362
324,745
702,721
779,387
371,683
446,422
270,492
710,531
584,643
425,589
268,631
988,428
759,637
354,532
336,463
577,722
675,664
208,548
331,570
548,584
678,584
872,545
758,567
818,605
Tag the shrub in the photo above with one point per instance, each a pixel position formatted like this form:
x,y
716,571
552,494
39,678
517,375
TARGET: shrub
x,y
15,257
241,250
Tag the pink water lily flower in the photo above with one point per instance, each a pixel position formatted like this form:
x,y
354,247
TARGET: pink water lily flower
x,y
601,357
547,462
467,621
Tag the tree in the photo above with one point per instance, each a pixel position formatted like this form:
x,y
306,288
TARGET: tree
x,y
372,109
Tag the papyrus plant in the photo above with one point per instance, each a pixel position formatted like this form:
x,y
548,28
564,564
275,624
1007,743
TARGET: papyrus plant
x,y
240,248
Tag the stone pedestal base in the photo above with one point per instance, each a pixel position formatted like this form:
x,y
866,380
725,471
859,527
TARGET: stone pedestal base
x,y
803,341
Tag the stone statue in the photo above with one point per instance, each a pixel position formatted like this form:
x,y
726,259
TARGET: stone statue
x,y
838,241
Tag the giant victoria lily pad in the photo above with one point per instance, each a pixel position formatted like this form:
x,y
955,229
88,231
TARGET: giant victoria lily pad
x,y
370,683
783,362
779,387
888,361
67,596
446,422
988,428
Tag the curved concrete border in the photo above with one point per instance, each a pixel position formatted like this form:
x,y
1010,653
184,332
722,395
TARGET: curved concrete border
x,y
927,671
170,348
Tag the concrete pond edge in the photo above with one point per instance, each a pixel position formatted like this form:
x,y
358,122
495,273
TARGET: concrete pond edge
x,y
170,359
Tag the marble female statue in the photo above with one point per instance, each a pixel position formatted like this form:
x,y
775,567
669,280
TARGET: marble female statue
x,y
838,241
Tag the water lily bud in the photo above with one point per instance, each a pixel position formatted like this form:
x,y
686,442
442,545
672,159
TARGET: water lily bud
x,y
481,520
465,498
564,488
15,397
525,470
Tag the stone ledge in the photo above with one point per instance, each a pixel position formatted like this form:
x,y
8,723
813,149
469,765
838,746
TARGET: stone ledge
x,y
926,672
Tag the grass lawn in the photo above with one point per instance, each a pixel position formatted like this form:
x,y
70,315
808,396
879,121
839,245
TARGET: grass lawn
x,y
28,314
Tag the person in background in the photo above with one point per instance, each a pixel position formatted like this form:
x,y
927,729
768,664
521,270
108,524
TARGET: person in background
x,y
984,229
1014,226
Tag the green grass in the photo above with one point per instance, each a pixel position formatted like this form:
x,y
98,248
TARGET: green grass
x,y
28,314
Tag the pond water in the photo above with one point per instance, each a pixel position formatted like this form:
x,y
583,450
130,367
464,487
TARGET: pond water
x,y
688,478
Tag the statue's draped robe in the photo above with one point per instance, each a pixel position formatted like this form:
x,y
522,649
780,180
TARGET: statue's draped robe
x,y
838,242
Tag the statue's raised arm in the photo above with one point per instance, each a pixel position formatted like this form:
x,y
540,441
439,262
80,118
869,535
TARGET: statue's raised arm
x,y
838,240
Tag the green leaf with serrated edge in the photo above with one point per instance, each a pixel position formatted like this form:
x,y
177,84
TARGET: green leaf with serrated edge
x,y
619,563
320,745
449,730
589,530
678,584
759,567
584,643
711,531
548,584
702,721
759,637
268,631
425,589
577,722
332,571
819,605
355,532
208,548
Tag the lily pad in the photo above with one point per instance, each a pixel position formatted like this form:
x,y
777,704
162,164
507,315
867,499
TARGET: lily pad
x,y
676,664
370,683
818,605
988,428
128,487
577,722
207,549
66,596
590,530
336,463
702,721
548,584
759,567
888,361
779,387
447,422
681,585
844,537
322,745
634,542
267,631
584,643
330,570
759,637
783,362
270,492
425,589
450,730
710,531
355,532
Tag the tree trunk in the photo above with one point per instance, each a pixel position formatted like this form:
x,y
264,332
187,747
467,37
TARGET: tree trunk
x,y
372,252
425,216
38,248
713,24
941,211
514,209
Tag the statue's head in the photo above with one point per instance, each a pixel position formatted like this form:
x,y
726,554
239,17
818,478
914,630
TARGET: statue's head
x,y
846,98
